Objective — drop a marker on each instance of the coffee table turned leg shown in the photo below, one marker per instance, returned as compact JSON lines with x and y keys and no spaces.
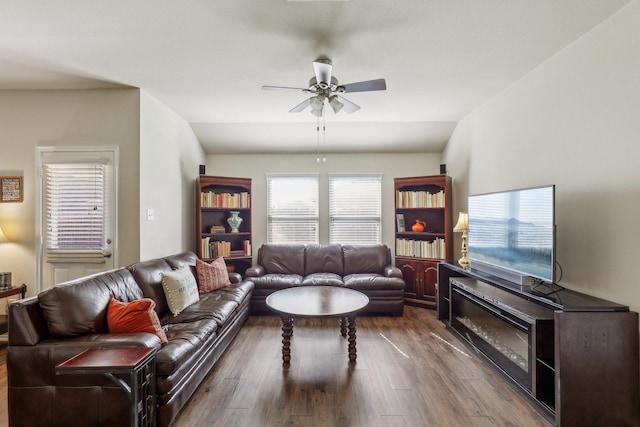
{"x":343,"y":326}
{"x":287,"y":331}
{"x":352,"y":339}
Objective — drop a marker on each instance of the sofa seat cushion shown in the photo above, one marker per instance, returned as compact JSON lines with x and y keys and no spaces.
{"x":237,"y":292}
{"x":372,"y":281}
{"x":185,"y":339}
{"x":277,"y":281}
{"x":210,"y":306}
{"x":322,"y":279}
{"x":80,"y":306}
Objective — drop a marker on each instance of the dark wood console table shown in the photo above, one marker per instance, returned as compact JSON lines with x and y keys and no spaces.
{"x":578,"y":357}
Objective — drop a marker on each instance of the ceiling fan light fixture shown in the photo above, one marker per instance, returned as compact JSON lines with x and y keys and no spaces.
{"x":325,"y":86}
{"x":335,"y":104}
{"x":317,"y":102}
{"x":317,"y":105}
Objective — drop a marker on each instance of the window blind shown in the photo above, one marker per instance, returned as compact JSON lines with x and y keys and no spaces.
{"x":74,"y":207}
{"x":292,"y":209}
{"x":355,"y":209}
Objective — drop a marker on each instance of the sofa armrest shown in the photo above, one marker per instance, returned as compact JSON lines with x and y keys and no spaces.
{"x":235,"y":277}
{"x":392,"y":271}
{"x":256,"y":270}
{"x":27,"y":325}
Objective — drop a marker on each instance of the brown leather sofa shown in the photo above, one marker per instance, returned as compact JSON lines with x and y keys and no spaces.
{"x":196,"y":339}
{"x":366,"y":268}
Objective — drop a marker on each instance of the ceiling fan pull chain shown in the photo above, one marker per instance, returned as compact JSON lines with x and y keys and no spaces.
{"x":318,"y":139}
{"x":324,"y":138}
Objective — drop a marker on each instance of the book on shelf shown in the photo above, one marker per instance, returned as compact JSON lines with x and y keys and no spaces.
{"x":246,"y":246}
{"x":204,"y":247}
{"x":217,"y":229}
{"x":420,"y":199}
{"x":400,"y":222}
{"x":215,"y":249}
{"x":236,"y":253}
{"x":209,"y":199}
{"x":434,"y":249}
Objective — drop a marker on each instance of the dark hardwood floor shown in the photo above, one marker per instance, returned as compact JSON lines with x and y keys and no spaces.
{"x":410,"y":372}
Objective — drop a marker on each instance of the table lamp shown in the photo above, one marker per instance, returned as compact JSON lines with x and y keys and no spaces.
{"x":461,"y":227}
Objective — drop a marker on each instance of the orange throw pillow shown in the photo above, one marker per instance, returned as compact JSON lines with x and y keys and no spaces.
{"x":135,"y":316}
{"x":212,"y":276}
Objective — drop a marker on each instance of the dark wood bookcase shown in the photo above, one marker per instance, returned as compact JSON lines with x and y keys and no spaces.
{"x":426,"y":199}
{"x":216,"y":198}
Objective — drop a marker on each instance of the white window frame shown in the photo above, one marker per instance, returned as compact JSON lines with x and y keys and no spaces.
{"x":288,"y":221}
{"x":90,"y":260}
{"x":355,"y":208}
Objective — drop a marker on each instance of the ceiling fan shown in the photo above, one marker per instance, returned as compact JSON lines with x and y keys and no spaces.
{"x":325,"y":87}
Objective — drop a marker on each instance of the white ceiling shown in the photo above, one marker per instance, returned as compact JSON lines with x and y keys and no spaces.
{"x":207,"y":60}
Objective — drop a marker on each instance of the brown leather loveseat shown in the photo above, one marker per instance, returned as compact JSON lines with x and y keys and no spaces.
{"x":76,"y":312}
{"x":366,"y":268}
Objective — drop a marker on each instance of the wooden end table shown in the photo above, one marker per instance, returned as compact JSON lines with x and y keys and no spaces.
{"x":133,"y":369}
{"x":6,"y":292}
{"x":317,"y":301}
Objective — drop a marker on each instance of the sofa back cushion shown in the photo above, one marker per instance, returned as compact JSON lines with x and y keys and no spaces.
{"x":148,"y":274}
{"x":323,"y":259}
{"x":80,"y":306}
{"x":282,"y":259}
{"x":360,"y":259}
{"x":178,"y":260}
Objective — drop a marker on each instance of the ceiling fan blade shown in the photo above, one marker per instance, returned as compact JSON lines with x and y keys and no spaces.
{"x":304,"y":104}
{"x":284,"y":88}
{"x":323,"y":73}
{"x":348,"y":107}
{"x":366,"y":86}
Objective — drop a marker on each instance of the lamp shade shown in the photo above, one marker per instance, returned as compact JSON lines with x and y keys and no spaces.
{"x":463,"y":222}
{"x":3,"y":238}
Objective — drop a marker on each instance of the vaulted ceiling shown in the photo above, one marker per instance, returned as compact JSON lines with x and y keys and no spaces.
{"x":207,"y":59}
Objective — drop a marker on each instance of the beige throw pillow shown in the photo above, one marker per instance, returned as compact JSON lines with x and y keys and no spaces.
{"x":180,"y":289}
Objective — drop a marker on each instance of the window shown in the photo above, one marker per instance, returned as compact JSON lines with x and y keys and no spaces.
{"x":74,"y":206}
{"x":292,"y":209}
{"x":355,"y":209}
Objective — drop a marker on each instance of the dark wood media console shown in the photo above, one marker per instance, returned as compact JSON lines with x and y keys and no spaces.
{"x":573,"y":354}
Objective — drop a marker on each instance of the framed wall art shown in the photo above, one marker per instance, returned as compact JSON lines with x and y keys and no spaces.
{"x":10,"y":189}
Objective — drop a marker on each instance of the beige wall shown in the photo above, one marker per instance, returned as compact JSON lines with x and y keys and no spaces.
{"x":170,"y":156}
{"x":29,"y":119}
{"x":257,"y":166}
{"x":573,"y":122}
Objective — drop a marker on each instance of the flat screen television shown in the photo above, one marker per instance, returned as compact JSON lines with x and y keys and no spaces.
{"x":512,"y":233}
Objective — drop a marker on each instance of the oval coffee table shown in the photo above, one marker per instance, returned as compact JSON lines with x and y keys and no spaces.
{"x":317,"y":301}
